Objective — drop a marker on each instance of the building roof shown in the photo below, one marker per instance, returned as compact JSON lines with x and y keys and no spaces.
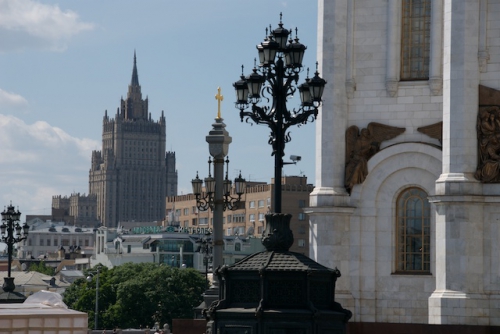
{"x":33,"y":278}
{"x":278,"y":261}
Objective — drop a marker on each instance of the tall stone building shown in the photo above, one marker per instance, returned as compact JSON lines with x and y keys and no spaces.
{"x":130,"y":176}
{"x":408,"y":156}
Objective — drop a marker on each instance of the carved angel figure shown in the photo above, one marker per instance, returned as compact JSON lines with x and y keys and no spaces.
{"x":361,"y":146}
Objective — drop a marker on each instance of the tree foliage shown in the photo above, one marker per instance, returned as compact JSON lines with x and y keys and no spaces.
{"x":41,"y":267}
{"x":134,"y":295}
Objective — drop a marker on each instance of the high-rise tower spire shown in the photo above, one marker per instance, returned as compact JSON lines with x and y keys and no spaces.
{"x":135,"y":76}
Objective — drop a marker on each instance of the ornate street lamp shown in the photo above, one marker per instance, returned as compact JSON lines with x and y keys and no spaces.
{"x":89,"y":279}
{"x":11,"y":233}
{"x":206,"y":199}
{"x":275,"y":79}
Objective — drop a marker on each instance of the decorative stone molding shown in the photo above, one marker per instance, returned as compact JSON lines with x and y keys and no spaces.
{"x":350,"y":87}
{"x":436,"y":85}
{"x":392,"y":87}
{"x":483,"y":57}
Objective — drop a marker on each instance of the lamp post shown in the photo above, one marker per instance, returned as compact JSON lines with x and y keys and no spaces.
{"x":89,"y":279}
{"x":276,"y":80}
{"x":217,"y":195}
{"x":205,"y":248}
{"x":11,"y":233}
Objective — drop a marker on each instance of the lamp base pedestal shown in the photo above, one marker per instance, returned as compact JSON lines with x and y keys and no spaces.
{"x":8,"y":284}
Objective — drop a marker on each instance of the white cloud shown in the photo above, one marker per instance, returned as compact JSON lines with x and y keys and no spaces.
{"x":38,"y":161}
{"x":30,"y":24}
{"x":12,"y":101}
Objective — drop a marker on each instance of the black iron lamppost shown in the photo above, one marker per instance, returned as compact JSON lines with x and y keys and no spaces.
{"x":205,"y":247}
{"x":89,"y":279}
{"x":276,"y":80}
{"x":11,"y":233}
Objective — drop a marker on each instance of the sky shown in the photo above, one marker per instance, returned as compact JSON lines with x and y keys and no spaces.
{"x":63,"y":63}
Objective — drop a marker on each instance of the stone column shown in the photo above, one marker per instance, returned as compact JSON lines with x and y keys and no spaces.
{"x":459,"y":212}
{"x":332,"y":118}
{"x":329,"y":213}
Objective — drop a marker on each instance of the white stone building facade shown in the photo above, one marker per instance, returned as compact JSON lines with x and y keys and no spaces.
{"x":379,"y":68}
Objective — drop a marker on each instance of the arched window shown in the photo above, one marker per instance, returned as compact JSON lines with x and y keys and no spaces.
{"x":413,"y":232}
{"x":415,"y":39}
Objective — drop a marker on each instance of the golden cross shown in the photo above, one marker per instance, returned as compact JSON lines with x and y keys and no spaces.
{"x":219,"y":99}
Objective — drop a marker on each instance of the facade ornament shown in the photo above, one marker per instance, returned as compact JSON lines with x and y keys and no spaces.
{"x":434,"y":131}
{"x":436,"y":85}
{"x":483,"y":57}
{"x":488,"y":135}
{"x":361,"y":146}
{"x":350,"y":88}
{"x":392,"y":86}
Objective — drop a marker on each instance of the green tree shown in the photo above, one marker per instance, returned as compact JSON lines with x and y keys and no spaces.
{"x":133,"y":295}
{"x":41,"y":267}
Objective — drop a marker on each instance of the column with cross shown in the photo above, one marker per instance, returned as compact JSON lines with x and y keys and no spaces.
{"x":218,"y":141}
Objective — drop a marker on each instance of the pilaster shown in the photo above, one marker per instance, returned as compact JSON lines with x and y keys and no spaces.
{"x":458,"y":200}
{"x":436,"y":52}
{"x":332,"y":118}
{"x":393,"y":61}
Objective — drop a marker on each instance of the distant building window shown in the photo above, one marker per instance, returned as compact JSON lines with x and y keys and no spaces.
{"x":261,"y":203}
{"x":302,"y":229}
{"x":193,"y":221}
{"x":261,"y":217}
{"x":186,"y":223}
{"x":237,"y":247}
{"x":129,"y":248}
{"x":204,"y":221}
{"x":301,"y":242}
{"x":252,"y":217}
{"x":41,"y":242}
{"x":55,"y":242}
{"x":194,"y":209}
{"x":413,"y":232}
{"x":239,"y":218}
{"x":48,"y":242}
{"x":302,"y":203}
{"x":302,"y":216}
{"x":260,"y":229}
{"x":415,"y":39}
{"x":229,"y":231}
{"x":269,"y":201}
{"x":186,"y":211}
{"x":251,"y":204}
{"x":228,"y":218}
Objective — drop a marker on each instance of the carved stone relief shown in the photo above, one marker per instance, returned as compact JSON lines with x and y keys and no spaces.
{"x":488,"y":136}
{"x":361,"y":146}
